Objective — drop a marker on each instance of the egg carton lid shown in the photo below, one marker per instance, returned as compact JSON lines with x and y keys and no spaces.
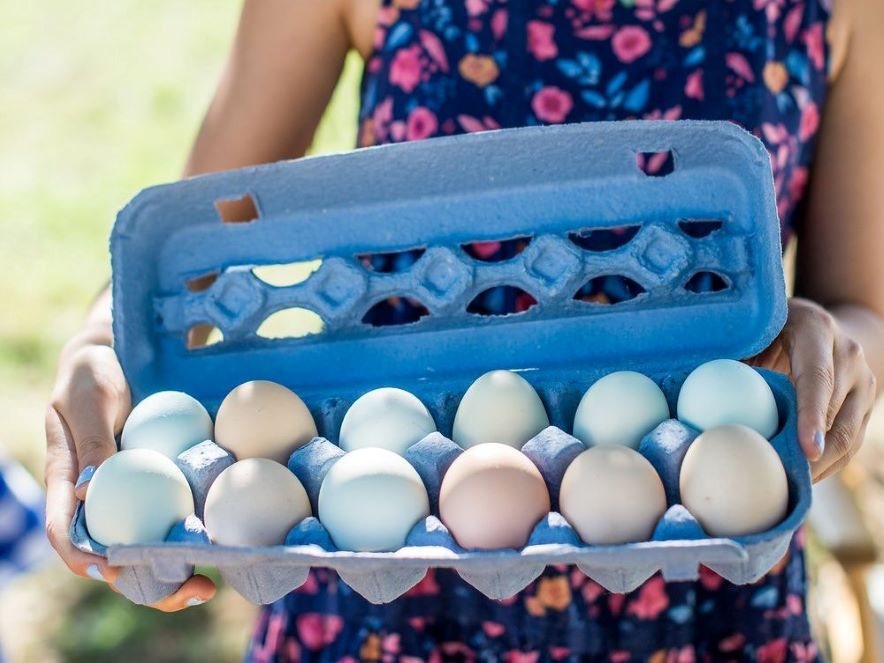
{"x":177,"y":264}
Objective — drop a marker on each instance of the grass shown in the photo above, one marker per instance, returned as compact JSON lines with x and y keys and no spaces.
{"x":99,"y":99}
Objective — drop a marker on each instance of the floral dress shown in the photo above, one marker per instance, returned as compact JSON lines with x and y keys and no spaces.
{"x":443,"y":67}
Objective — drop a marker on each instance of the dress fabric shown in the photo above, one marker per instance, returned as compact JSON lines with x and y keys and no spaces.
{"x":443,"y":67}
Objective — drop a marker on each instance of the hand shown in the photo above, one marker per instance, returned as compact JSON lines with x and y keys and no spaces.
{"x":90,"y":402}
{"x":836,"y":388}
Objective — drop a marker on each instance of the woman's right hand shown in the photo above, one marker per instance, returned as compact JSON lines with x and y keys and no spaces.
{"x":90,"y":403}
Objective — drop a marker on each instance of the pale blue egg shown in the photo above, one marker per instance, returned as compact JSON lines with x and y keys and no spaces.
{"x":168,"y":422}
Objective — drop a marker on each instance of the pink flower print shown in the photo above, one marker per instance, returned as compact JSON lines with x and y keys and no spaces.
{"x":417,"y":623}
{"x":405,"y":70}
{"x":810,"y":121}
{"x":498,"y":23}
{"x":683,"y":655}
{"x":595,"y":32}
{"x":559,"y":653}
{"x":804,"y":653}
{"x":592,"y":590}
{"x":316,"y":630}
{"x":792,"y":22}
{"x":737,"y":63}
{"x":601,"y":10}
{"x":515,"y":656}
{"x":620,"y":657}
{"x":710,"y":579}
{"x":391,"y":643}
{"x":693,"y":86}
{"x":813,"y":38}
{"x":398,"y":131}
{"x":651,"y":601}
{"x":410,"y":659}
{"x":772,"y":8}
{"x":426,"y":587}
{"x":615,"y":603}
{"x":797,"y":184}
{"x":630,"y":43}
{"x":493,"y":629}
{"x":540,"y":41}
{"x":773,"y":652}
{"x":477,"y":7}
{"x":732,"y":643}
{"x":552,"y":104}
{"x":434,"y":49}
{"x":382,"y":117}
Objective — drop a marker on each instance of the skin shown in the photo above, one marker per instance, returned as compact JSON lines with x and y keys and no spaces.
{"x":282,"y":69}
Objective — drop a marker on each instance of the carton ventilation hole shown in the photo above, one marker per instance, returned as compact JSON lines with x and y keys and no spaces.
{"x":501,"y":300}
{"x":292,"y":322}
{"x":395,"y":311}
{"x":391,"y":263}
{"x":603,"y":239}
{"x":203,"y":335}
{"x":706,"y":282}
{"x":655,"y":164}
{"x":497,"y":250}
{"x":699,"y":228}
{"x":282,"y":275}
{"x":202,"y":282}
{"x":609,"y":289}
{"x":237,"y":210}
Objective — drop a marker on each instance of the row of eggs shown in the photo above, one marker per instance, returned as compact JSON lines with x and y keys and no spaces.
{"x":492,"y":495}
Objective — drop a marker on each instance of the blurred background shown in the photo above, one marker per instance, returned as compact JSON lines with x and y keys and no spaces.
{"x":100,"y":99}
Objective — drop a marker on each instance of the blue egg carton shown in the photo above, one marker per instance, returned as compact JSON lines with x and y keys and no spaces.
{"x":178,"y":265}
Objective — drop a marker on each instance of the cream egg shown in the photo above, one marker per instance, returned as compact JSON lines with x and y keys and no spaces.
{"x":168,"y":422}
{"x":612,"y":495}
{"x":254,"y":502}
{"x":492,"y":496}
{"x":262,"y":419}
{"x":620,"y":408}
{"x":733,"y":482}
{"x":388,"y":418}
{"x":501,"y":406}
{"x":370,"y":499}
{"x":725,"y":391}
{"x":136,"y":496}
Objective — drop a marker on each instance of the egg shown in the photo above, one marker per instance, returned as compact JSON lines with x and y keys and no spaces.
{"x":370,"y":499}
{"x":725,"y":391}
{"x":501,"y":406}
{"x":136,"y":496}
{"x":620,"y":408}
{"x":492,"y":496}
{"x":262,"y":419}
{"x":254,"y":502}
{"x":612,"y":495}
{"x":388,"y":418}
{"x":168,"y":422}
{"x":734,"y":482}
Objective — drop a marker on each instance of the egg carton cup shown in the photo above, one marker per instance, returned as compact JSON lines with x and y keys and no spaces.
{"x":181,"y":263}
{"x":263,"y":574}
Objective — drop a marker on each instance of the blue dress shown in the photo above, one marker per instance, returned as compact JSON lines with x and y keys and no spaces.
{"x":443,"y":67}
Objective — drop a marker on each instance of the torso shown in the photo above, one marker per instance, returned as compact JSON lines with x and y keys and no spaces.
{"x":441,"y":67}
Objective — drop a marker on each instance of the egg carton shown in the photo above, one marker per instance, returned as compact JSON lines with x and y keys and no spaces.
{"x":182,"y":263}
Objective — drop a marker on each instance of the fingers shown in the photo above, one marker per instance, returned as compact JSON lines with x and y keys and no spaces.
{"x":813,"y":372}
{"x":195,"y":591}
{"x":61,"y":503}
{"x":845,"y":437}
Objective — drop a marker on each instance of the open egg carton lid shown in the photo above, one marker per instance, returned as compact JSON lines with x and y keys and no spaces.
{"x":179,"y":266}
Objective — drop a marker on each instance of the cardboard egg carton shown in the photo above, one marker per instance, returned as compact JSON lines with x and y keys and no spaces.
{"x":181,"y":263}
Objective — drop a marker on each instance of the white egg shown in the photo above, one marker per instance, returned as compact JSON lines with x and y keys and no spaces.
{"x":168,"y":422}
{"x":136,"y":496}
{"x":620,"y":408}
{"x":254,"y":502}
{"x":388,"y":418}
{"x":734,"y":482}
{"x":370,"y":499}
{"x":501,"y":406}
{"x":725,"y":391}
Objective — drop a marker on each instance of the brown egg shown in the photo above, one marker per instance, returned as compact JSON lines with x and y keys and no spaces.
{"x":734,"y":482}
{"x":612,"y":495}
{"x":262,"y":419}
{"x":492,"y":496}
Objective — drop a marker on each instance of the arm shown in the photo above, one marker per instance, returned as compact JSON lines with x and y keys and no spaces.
{"x":282,"y":69}
{"x":835,"y":334}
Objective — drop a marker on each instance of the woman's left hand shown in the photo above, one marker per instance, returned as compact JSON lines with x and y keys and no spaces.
{"x":835,"y":386}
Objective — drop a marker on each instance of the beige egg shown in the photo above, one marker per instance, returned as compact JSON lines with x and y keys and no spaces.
{"x":733,"y":482}
{"x":262,"y":419}
{"x":254,"y":502}
{"x":612,"y":495}
{"x":492,"y":496}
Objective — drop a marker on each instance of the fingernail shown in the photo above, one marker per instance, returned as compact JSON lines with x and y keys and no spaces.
{"x":819,"y":439}
{"x":94,"y":572}
{"x":85,"y":476}
{"x":194,"y":601}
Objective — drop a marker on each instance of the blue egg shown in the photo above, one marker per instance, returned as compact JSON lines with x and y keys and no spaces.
{"x":168,"y":422}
